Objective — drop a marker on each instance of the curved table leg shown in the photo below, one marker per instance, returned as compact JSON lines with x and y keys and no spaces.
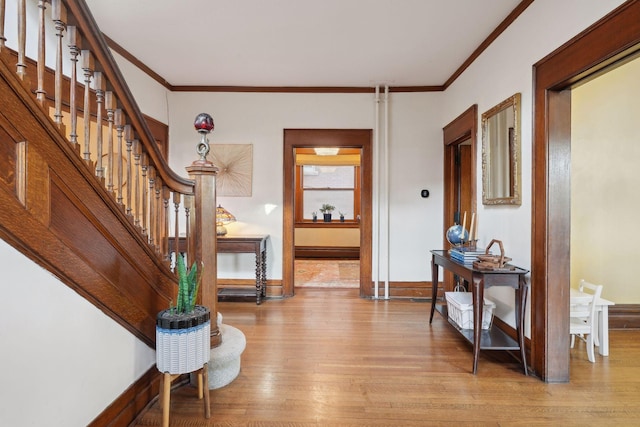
{"x":478,"y":303}
{"x":521,"y":304}
{"x":434,"y":287}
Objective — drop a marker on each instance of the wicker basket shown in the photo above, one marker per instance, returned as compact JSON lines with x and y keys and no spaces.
{"x":460,"y":309}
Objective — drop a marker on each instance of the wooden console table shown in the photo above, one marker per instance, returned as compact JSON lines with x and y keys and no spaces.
{"x":493,"y":338}
{"x":255,"y":244}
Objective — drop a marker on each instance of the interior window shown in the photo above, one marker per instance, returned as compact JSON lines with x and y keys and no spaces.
{"x":328,"y":179}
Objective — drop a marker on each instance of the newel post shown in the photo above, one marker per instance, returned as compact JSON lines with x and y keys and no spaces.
{"x":203,"y":223}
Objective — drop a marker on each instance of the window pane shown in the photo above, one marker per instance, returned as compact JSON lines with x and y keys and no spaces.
{"x":342,"y":200}
{"x":315,"y":176}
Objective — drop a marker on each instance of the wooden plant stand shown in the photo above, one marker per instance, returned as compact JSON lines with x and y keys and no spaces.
{"x":165,"y":392}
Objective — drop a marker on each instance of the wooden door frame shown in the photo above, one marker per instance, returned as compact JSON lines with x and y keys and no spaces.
{"x":303,"y":138}
{"x":462,"y":128}
{"x":612,"y":38}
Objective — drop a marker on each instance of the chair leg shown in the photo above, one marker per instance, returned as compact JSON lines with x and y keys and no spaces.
{"x":590,"y":349}
{"x":573,"y":340}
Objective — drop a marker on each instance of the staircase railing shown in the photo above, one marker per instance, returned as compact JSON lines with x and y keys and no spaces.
{"x":138,"y":203}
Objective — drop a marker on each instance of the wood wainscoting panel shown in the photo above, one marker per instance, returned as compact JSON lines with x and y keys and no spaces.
{"x":8,"y":158}
{"x":69,"y":224}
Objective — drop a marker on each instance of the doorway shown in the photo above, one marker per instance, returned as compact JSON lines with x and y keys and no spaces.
{"x":299,"y":140}
{"x":586,"y":55}
{"x":460,"y":142}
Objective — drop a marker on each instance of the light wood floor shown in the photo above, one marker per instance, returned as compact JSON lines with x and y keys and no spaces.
{"x":313,"y":273}
{"x":328,"y":358}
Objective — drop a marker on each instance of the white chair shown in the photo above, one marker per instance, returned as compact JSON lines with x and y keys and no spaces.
{"x":583,"y":320}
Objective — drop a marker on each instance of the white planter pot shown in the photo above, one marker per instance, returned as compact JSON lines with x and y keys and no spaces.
{"x":183,"y":341}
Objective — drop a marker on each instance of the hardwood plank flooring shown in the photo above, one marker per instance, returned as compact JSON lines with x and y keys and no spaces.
{"x":313,"y":273}
{"x":329,"y":358}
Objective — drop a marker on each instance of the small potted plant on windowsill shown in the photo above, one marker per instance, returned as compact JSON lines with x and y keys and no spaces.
{"x":326,"y":210}
{"x":183,"y":331}
{"x":341,"y":216}
{"x":314,"y":216}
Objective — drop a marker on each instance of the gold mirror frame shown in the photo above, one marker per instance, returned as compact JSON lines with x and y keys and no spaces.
{"x":501,"y":177}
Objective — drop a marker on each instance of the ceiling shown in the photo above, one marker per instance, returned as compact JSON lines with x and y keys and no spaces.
{"x":301,"y":43}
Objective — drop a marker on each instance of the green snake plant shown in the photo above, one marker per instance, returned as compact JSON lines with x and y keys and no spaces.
{"x":188,"y":285}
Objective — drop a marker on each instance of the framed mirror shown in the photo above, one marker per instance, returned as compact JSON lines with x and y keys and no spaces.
{"x":501,"y":178}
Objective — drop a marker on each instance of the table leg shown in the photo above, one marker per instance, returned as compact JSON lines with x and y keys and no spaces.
{"x":258,"y":279}
{"x":478,"y":302}
{"x":521,"y":303}
{"x":263,"y":274}
{"x":434,"y":287}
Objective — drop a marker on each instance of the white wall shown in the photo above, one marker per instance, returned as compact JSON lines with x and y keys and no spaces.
{"x":150,"y":95}
{"x":64,"y":361}
{"x":71,"y":380}
{"x":415,"y":160}
{"x":260,"y":119}
{"x":503,"y":69}
{"x":605,"y":148}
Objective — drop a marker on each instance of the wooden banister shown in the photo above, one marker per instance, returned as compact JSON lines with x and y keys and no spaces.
{"x":90,"y":145}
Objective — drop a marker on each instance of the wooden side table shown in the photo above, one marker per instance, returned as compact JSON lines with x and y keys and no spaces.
{"x":494,"y":338}
{"x":255,"y":244}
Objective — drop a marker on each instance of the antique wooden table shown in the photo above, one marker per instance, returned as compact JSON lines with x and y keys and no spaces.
{"x":255,"y":244}
{"x":493,"y":338}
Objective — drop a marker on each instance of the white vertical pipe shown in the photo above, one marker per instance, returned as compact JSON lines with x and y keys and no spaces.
{"x":386,"y":186}
{"x":376,"y":193}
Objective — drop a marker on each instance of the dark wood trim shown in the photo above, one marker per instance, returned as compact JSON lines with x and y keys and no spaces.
{"x":515,"y":13}
{"x":333,"y":224}
{"x":303,"y":89}
{"x":624,"y":316}
{"x":521,"y":7}
{"x":613,"y":37}
{"x":327,"y":252}
{"x":460,"y":129}
{"x":135,"y":61}
{"x":354,"y":138}
{"x":419,"y":291}
{"x":131,"y":403}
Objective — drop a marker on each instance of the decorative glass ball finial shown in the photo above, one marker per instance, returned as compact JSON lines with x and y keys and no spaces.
{"x":204,"y":125}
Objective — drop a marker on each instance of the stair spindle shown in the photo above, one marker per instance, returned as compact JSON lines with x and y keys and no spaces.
{"x":74,"y":51}
{"x":129,"y":141}
{"x":87,"y":68}
{"x":21,"y":65}
{"x":109,"y":105}
{"x":119,"y":122}
{"x":3,"y":39}
{"x":59,"y":16}
{"x":41,"y":94}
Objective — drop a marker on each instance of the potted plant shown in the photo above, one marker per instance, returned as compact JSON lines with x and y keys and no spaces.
{"x":183,"y":331}
{"x":326,"y":210}
{"x":341,"y":216}
{"x":314,"y":216}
